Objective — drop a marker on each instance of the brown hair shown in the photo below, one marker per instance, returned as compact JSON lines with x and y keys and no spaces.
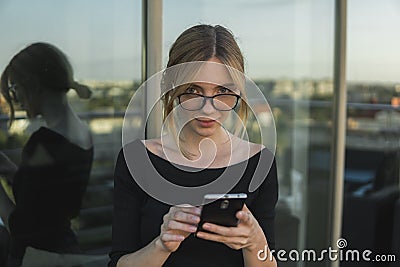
{"x":201,"y":43}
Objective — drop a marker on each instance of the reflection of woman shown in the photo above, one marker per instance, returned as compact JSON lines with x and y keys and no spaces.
{"x":147,"y":232}
{"x":51,"y":178}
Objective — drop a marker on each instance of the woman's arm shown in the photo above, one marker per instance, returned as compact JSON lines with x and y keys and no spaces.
{"x":258,"y":252}
{"x":151,"y":255}
{"x":177,"y":224}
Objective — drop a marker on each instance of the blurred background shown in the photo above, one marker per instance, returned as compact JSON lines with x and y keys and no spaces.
{"x":289,"y":49}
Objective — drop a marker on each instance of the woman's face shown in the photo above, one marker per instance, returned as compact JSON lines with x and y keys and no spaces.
{"x":203,"y":114}
{"x":20,"y":96}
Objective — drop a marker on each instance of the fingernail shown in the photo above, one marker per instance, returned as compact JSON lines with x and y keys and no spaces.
{"x":192,"y":229}
{"x":206,"y":226}
{"x":196,"y":219}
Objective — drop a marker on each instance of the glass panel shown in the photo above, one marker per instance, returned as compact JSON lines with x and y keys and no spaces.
{"x":373,"y":128}
{"x":288,"y":49}
{"x":102,"y":40}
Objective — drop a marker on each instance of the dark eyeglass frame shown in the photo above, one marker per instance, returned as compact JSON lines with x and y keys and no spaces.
{"x":13,"y":92}
{"x":208,"y":97}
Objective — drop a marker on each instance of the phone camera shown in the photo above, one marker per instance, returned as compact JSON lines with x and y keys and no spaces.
{"x":225,"y":204}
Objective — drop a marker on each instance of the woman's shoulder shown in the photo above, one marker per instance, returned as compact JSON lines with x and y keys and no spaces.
{"x":154,"y":146}
{"x":161,"y":147}
{"x":79,"y":136}
{"x":139,"y":148}
{"x":244,"y":149}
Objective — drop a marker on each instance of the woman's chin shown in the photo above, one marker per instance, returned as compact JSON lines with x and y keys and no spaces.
{"x":206,"y":132}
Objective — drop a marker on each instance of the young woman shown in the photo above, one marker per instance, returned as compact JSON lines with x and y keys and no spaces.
{"x":52,"y":176}
{"x":148,"y":232}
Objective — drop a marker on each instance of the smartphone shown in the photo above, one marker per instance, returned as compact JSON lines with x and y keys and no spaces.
{"x":222,"y":209}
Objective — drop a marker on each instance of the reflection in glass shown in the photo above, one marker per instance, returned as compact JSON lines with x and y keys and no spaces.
{"x":49,"y":182}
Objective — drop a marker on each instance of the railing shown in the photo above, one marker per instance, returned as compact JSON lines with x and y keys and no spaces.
{"x":83,"y":115}
{"x":274,"y":103}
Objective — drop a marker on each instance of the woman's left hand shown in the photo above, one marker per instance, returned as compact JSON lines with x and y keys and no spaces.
{"x":247,"y":235}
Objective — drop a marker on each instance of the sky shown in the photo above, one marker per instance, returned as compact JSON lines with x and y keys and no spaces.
{"x":279,"y":38}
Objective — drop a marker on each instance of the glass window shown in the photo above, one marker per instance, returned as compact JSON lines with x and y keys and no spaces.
{"x":102,"y":40}
{"x":371,"y":174}
{"x":288,"y":49}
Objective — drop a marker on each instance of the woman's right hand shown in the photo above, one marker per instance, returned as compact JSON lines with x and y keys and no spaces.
{"x":178,"y":224}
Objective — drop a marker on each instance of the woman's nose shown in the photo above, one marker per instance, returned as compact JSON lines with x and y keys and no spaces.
{"x":208,"y":106}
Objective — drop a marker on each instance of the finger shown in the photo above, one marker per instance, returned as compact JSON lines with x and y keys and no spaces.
{"x":186,"y":208}
{"x":232,"y":240}
{"x":174,"y":225}
{"x":244,"y":216}
{"x":167,"y":237}
{"x":185,"y":217}
{"x":222,"y":230}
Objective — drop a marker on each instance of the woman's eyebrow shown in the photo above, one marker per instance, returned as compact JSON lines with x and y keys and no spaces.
{"x":196,"y":86}
{"x":230,"y":86}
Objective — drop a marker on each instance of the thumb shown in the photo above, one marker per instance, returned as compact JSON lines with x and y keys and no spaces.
{"x":245,"y":208}
{"x":244,"y":215}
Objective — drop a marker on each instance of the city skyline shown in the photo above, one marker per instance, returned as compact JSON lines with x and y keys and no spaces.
{"x":294,"y":41}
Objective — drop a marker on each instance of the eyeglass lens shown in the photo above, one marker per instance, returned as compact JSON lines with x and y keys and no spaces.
{"x":222,"y":102}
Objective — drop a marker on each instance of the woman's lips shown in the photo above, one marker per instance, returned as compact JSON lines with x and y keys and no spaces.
{"x":206,"y":122}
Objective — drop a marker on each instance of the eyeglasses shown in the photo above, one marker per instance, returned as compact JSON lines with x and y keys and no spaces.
{"x":13,"y":92}
{"x":221,"y":102}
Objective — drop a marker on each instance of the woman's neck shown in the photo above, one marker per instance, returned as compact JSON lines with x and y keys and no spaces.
{"x":57,"y":113}
{"x":195,"y":146}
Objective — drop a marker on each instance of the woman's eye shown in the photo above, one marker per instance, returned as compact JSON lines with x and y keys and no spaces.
{"x":224,"y":90}
{"x":191,"y":90}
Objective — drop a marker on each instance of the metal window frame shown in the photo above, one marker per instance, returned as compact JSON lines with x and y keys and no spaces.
{"x":152,"y":60}
{"x":339,"y":125}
